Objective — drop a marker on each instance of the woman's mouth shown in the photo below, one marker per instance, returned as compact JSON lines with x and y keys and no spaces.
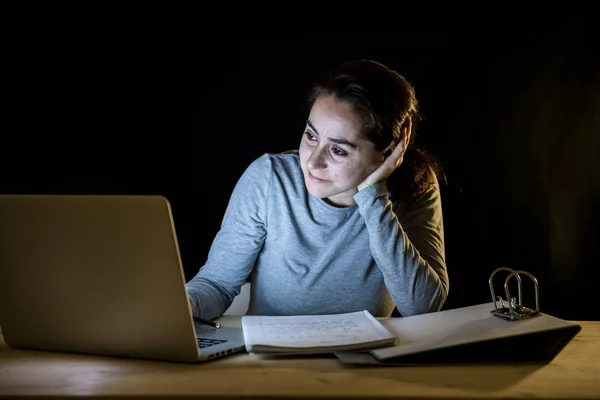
{"x":315,"y":179}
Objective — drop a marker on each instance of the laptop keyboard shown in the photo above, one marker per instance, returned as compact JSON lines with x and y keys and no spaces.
{"x":206,"y":342}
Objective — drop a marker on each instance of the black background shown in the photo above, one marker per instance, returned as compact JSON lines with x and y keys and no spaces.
{"x":511,"y":112}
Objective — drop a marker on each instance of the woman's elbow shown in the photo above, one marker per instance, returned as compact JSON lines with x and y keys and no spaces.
{"x":440,"y":298}
{"x":436,"y":301}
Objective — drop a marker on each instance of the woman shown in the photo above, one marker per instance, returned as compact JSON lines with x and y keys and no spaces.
{"x":351,"y":221}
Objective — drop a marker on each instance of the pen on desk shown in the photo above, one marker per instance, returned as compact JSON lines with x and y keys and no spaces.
{"x":206,"y":322}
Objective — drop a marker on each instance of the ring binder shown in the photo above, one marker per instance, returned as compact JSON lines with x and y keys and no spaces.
{"x":509,"y":309}
{"x":481,"y":333}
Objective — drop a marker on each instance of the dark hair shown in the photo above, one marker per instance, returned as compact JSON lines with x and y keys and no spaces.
{"x":385,"y":102}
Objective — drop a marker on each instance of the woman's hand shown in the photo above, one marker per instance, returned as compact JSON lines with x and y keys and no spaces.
{"x":388,"y":166}
{"x":390,"y":163}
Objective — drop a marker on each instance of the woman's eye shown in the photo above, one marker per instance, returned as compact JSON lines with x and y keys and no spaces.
{"x":338,"y":152}
{"x":310,"y":136}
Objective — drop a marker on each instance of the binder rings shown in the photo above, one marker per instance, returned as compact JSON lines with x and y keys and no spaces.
{"x":503,"y":330}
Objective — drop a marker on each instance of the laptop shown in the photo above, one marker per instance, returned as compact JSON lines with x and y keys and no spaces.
{"x":100,"y":275}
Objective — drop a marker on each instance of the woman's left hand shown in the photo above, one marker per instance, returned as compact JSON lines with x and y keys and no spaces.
{"x":388,"y":166}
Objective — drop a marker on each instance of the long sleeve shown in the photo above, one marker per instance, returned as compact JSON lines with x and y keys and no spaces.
{"x":235,"y":247}
{"x":409,"y":252}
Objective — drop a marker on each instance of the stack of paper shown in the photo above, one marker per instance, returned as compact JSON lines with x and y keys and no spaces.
{"x":314,"y":334}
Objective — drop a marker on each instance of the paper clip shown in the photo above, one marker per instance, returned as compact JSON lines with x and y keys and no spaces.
{"x":509,"y":309}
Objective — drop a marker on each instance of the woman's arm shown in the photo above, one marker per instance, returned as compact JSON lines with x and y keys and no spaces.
{"x":410,"y":252}
{"x":236,"y":245}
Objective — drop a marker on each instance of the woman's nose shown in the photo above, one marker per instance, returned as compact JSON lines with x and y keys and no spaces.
{"x":316,"y":160}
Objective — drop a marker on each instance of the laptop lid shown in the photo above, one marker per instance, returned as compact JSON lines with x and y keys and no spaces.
{"x":94,"y":274}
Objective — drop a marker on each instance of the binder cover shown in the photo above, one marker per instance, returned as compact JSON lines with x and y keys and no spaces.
{"x":483,"y":333}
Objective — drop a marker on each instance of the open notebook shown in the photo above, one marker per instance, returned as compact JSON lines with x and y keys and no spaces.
{"x":314,"y":334}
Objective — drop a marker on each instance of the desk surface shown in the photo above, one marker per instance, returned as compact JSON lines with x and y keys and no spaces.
{"x":573,"y":374}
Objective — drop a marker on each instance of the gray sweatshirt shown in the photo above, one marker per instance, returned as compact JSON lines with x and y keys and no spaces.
{"x":309,"y":257}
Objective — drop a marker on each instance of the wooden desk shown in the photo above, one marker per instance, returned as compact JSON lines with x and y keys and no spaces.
{"x":574,"y":374}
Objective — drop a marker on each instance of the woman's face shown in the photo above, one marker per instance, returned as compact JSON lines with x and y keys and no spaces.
{"x":334,"y":156}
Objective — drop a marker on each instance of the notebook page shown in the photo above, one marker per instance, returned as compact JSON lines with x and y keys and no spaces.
{"x":313,"y":330}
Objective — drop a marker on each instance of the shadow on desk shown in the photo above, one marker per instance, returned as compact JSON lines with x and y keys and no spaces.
{"x":478,"y":376}
{"x":472,"y":377}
